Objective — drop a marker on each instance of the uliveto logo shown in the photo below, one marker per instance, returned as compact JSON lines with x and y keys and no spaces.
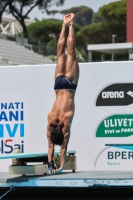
{"x":116,"y":95}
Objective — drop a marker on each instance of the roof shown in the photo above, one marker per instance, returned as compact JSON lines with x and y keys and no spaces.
{"x":116,"y":48}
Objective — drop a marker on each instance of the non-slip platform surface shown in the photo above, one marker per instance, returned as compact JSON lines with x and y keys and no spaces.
{"x":69,"y":179}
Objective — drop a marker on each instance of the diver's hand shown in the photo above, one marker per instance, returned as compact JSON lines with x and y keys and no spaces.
{"x":52,"y":169}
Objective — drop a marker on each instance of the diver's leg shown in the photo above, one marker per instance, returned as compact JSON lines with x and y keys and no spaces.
{"x":72,"y":67}
{"x":61,"y":56}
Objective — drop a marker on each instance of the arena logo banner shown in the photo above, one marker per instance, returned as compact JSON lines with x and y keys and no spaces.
{"x":116,"y":95}
{"x":116,"y":155}
{"x":13,"y":122}
{"x":116,"y":126}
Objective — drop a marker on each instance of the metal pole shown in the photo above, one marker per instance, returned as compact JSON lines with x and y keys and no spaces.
{"x":113,"y":41}
{"x":130,"y":55}
{"x":39,"y":47}
{"x":102,"y":57}
{"x":90,"y":56}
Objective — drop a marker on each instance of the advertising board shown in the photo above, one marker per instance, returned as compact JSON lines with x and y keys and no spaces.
{"x":102,"y":128}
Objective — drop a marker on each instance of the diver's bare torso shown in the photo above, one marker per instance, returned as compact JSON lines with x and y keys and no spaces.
{"x":63,"y":109}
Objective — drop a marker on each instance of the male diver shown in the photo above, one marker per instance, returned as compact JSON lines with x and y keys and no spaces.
{"x":66,"y":80}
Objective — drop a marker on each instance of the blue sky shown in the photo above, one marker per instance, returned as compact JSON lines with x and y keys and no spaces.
{"x":94,"y":4}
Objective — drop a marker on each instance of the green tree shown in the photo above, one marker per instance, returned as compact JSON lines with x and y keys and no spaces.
{"x":96,"y":33}
{"x":52,"y":12}
{"x":20,"y":9}
{"x":51,"y":46}
{"x":96,"y":17}
{"x":81,"y":44}
{"x":47,"y":32}
{"x":83,"y":15}
{"x":114,"y":14}
{"x":113,"y":23}
{"x":3,"y":6}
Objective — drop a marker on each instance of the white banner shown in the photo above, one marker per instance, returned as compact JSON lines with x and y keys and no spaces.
{"x":102,"y":128}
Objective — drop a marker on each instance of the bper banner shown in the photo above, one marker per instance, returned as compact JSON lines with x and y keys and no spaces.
{"x":102,"y":128}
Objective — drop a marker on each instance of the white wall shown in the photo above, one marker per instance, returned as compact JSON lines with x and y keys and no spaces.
{"x":34,"y":85}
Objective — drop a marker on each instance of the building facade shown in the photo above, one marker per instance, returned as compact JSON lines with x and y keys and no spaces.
{"x":129,"y":20}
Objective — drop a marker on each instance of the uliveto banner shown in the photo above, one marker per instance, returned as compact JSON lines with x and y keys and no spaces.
{"x":116,"y":126}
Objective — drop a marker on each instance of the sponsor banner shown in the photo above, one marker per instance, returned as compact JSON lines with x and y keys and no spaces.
{"x":116,"y":126}
{"x":14,"y":122}
{"x":116,"y":95}
{"x":115,"y":156}
{"x":102,"y":128}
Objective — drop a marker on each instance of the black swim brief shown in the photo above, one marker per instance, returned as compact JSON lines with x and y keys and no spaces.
{"x":63,"y":82}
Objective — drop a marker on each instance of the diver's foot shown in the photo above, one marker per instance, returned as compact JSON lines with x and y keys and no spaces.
{"x":68,"y":18}
{"x":60,"y":170}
